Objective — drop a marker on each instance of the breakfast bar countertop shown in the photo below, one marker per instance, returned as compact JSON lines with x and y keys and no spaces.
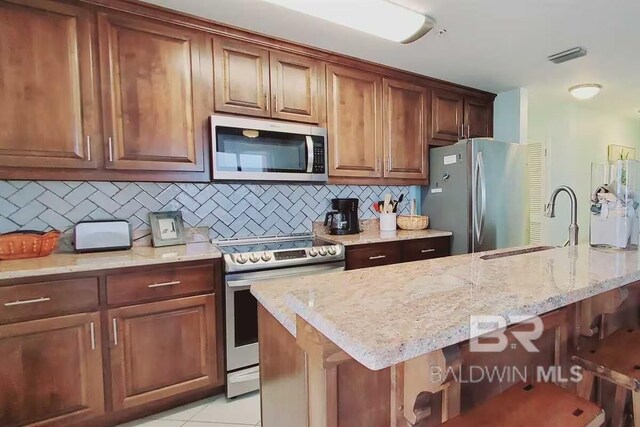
{"x":386,"y":315}
{"x":70,"y":262}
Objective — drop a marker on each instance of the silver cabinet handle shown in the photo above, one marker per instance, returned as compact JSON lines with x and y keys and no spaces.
{"x":92,"y":330}
{"x":425,"y":251}
{"x":115,"y":331}
{"x":378,"y":164}
{"x":110,"y":149}
{"x":160,"y":285}
{"x":389,"y":163}
{"x":88,"y":148}
{"x":462,"y":130}
{"x":468,"y":131}
{"x":27,"y":301}
{"x":275,"y":103}
{"x":377,"y":257}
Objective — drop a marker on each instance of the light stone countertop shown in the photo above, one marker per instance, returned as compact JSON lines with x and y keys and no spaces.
{"x":386,"y":315}
{"x":69,"y":262}
{"x":371,"y":234}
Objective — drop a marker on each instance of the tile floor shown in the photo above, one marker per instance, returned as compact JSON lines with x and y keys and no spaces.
{"x":217,"y":411}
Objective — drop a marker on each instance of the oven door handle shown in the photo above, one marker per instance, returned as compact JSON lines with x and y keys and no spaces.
{"x":243,"y":280}
{"x":309,"y":154}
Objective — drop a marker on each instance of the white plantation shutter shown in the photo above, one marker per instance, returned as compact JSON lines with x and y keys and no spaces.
{"x":536,"y":161}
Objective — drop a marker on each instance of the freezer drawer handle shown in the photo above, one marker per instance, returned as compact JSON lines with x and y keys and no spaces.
{"x":377,"y":257}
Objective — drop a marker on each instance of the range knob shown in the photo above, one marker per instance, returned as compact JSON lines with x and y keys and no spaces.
{"x":322,"y":251}
{"x":241,"y":259}
{"x":266,"y":256}
{"x":332,"y":250}
{"x":254,"y":258}
{"x":313,"y":252}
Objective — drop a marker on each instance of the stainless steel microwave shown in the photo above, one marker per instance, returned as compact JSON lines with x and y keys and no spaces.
{"x":266,"y":150}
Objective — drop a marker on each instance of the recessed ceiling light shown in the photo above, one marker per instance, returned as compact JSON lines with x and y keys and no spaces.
{"x":585,"y":91}
{"x":380,"y":18}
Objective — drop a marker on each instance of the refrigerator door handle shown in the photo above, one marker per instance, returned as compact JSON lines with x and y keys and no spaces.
{"x":480,"y":179}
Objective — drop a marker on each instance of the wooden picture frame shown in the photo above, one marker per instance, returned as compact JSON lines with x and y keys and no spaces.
{"x":167,"y":228}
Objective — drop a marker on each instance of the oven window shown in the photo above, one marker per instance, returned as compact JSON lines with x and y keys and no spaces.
{"x":245,"y":318}
{"x":247,"y":150}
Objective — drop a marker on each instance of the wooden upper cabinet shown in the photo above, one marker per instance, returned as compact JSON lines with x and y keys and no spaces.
{"x":447,"y":116}
{"x":151,"y":95}
{"x":354,"y":118}
{"x":405,"y":130}
{"x":296,"y":82}
{"x":47,"y":93}
{"x":241,"y":78}
{"x":149,"y":340}
{"x":478,"y":117}
{"x":51,"y":371}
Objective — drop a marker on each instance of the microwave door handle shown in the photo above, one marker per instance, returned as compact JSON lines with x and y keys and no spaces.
{"x":309,"y":154}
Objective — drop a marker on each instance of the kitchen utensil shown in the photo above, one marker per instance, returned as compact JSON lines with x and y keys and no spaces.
{"x":375,"y":206}
{"x":387,"y":203}
{"x":413,"y":222}
{"x":27,"y":244}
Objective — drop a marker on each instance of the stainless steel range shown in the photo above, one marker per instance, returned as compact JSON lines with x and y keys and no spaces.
{"x":247,"y":261}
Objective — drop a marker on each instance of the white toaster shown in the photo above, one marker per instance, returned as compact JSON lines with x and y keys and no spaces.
{"x":102,"y":235}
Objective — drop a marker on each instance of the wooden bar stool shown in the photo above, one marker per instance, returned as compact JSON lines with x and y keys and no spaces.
{"x":532,"y":405}
{"x":617,"y":360}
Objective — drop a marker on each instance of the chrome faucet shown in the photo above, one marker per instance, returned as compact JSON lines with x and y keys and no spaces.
{"x":550,"y":211}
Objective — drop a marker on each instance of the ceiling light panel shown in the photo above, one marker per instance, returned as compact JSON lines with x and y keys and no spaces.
{"x":376,"y":17}
{"x":586,"y":91}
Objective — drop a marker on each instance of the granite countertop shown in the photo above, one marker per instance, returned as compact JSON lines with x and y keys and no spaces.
{"x":386,"y":315}
{"x":371,"y":234}
{"x":69,"y":262}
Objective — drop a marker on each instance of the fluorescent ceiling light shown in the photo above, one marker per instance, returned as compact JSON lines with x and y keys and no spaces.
{"x":586,"y":91}
{"x":377,"y":17}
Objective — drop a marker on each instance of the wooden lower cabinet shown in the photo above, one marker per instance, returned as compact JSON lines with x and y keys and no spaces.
{"x":162,"y":349}
{"x":51,"y":371}
{"x":377,"y":254}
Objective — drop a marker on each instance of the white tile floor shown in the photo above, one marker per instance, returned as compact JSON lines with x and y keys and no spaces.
{"x":217,"y":411}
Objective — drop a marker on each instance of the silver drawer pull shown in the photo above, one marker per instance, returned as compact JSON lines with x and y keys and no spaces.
{"x":115,"y":331}
{"x":27,"y":301}
{"x":160,"y":285}
{"x":377,"y":257}
{"x":425,"y":251}
{"x":92,"y":332}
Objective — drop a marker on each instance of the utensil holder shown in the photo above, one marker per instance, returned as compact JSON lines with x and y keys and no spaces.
{"x":388,"y":221}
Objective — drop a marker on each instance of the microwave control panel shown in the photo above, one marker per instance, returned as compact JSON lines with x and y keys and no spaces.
{"x":318,"y":156}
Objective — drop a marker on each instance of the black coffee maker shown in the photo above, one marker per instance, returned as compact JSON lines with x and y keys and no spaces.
{"x":344,"y":217}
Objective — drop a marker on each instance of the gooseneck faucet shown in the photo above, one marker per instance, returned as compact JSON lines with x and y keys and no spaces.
{"x":550,"y":211}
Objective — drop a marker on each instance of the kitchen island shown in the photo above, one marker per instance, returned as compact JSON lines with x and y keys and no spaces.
{"x":390,"y":346}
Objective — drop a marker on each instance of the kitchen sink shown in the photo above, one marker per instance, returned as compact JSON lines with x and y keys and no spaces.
{"x":518,"y":252}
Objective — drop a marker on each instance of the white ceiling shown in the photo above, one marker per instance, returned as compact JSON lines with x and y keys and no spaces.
{"x":494,"y":45}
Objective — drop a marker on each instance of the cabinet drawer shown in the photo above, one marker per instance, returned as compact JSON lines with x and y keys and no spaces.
{"x":414,"y":250}
{"x":47,"y":299}
{"x":165,"y":282}
{"x":373,"y":255}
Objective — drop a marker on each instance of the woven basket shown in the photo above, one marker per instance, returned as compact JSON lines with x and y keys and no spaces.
{"x":413,"y":222}
{"x":27,"y":244}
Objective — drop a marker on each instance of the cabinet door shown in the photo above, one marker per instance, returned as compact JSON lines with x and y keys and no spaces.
{"x":446,"y":112}
{"x":354,"y":117}
{"x":162,"y":349}
{"x":241,"y":78}
{"x":405,"y":130}
{"x":295,"y":88}
{"x":51,"y":371}
{"x":47,"y":94}
{"x":478,"y":117}
{"x":151,"y":95}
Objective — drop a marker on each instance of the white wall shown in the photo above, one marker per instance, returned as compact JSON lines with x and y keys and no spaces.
{"x":575,"y":134}
{"x":510,"y":116}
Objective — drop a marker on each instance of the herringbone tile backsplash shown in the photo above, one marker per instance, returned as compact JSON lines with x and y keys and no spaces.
{"x":228,"y":210}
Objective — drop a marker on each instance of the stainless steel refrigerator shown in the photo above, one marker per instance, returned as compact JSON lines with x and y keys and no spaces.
{"x":478,"y":189}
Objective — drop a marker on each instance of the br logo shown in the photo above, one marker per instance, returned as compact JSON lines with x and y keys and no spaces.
{"x":491,"y":329}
